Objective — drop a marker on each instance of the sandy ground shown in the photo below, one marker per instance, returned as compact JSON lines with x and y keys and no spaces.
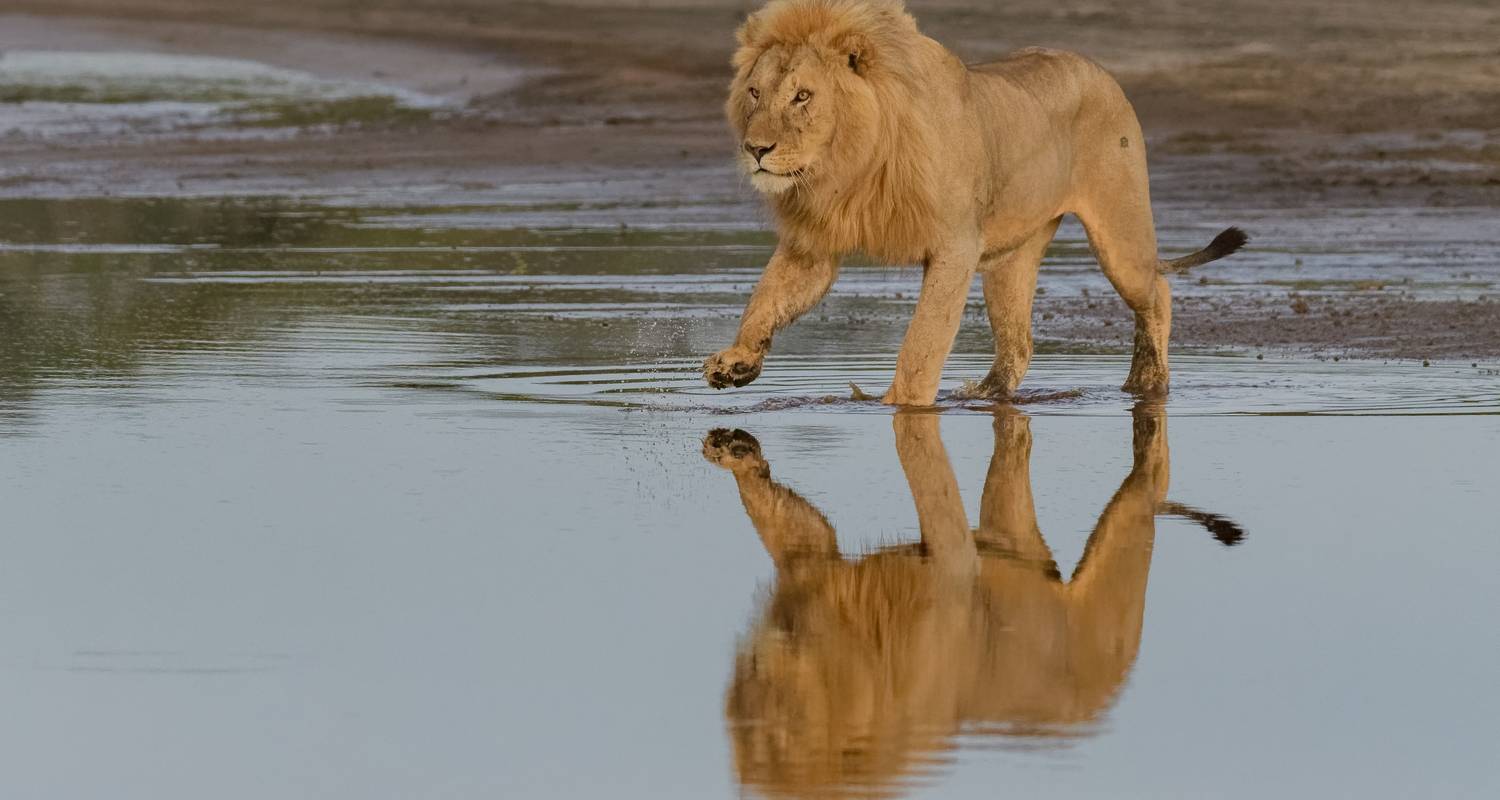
{"x":1296,"y":107}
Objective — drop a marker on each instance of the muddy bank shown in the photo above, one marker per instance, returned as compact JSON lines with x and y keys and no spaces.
{"x":1356,"y":103}
{"x":1301,"y":124}
{"x":1292,"y":324}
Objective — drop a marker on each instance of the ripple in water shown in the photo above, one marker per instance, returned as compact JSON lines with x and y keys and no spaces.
{"x":1056,"y":384}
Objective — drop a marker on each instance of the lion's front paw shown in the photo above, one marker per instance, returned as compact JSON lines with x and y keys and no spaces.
{"x":732,"y":449}
{"x":901,"y":396}
{"x":736,"y":366}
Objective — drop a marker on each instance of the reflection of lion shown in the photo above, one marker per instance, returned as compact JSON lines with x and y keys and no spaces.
{"x":868,"y":136}
{"x":861,"y":672}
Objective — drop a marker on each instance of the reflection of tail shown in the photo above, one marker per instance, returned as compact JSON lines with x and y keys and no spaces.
{"x":1226,"y":530}
{"x":1226,"y":243}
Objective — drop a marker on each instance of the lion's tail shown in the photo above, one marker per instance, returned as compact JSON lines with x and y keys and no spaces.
{"x":1227,"y":242}
{"x":1226,"y":530}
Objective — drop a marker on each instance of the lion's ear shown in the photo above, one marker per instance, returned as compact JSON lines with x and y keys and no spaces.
{"x":858,"y":49}
{"x":878,"y":36}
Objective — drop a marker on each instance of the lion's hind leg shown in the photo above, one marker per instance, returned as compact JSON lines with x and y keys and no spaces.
{"x":1007,"y":512}
{"x":1116,"y":213}
{"x":1009,"y":286}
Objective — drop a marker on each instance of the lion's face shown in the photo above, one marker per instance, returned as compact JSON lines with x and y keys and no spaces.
{"x":786,"y":109}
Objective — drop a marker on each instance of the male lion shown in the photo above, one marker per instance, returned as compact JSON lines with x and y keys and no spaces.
{"x":861,"y":672}
{"x":867,"y":136}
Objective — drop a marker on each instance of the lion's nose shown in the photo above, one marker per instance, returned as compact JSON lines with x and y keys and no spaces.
{"x":758,"y":150}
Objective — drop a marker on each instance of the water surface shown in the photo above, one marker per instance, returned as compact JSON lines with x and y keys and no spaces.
{"x":324,"y":499}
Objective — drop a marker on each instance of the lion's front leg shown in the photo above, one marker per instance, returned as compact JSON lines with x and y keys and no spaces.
{"x":940,"y":509}
{"x":945,"y":291}
{"x":790,"y":286}
{"x":789,"y":526}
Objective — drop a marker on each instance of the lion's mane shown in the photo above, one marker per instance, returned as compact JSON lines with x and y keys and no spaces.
{"x":875,"y":189}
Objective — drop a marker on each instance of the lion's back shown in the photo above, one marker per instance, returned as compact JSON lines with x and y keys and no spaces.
{"x":1063,"y":82}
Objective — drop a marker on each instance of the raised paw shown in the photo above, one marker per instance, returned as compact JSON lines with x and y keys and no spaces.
{"x":732,"y":449}
{"x":736,"y":366}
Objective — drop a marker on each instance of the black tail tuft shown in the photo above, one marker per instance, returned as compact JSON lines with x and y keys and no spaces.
{"x":1226,"y":530}
{"x":1228,"y":241}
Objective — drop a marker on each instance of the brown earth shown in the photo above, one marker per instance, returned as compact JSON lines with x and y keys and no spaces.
{"x":1291,"y":85}
{"x":1379,"y":104}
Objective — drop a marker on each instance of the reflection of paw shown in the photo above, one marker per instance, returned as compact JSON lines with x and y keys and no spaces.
{"x":1148,"y":429}
{"x":1012,"y":433}
{"x":732,"y":449}
{"x":736,"y":366}
{"x":1149,"y":443}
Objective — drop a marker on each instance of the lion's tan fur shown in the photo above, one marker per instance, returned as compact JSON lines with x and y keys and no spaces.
{"x":861,"y":670}
{"x":867,"y":136}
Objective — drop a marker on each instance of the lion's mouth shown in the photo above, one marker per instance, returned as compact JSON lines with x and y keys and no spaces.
{"x":770,"y":182}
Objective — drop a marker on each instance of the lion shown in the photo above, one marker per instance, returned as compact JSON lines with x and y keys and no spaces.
{"x":866,"y":136}
{"x":861,"y":673}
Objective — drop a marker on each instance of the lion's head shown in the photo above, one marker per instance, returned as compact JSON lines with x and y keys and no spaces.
{"x":812,"y":89}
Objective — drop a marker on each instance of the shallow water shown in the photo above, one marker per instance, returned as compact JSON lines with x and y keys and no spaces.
{"x":122,"y":97}
{"x":319,"y":499}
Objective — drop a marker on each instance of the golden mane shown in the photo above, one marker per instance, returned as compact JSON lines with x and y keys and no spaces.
{"x":876,"y":190}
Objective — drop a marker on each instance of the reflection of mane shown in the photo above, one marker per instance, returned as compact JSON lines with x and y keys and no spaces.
{"x":860,"y":672}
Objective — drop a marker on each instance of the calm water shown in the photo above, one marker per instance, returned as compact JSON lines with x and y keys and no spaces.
{"x":330,"y":501}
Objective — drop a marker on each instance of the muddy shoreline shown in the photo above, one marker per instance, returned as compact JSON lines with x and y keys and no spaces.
{"x":1276,"y":117}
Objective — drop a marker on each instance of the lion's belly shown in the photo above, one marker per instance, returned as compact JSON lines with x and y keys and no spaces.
{"x":1005,"y":232}
{"x":1027,"y":195}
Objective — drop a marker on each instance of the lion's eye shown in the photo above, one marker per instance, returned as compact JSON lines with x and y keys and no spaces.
{"x":802,"y":96}
{"x":754,"y":93}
